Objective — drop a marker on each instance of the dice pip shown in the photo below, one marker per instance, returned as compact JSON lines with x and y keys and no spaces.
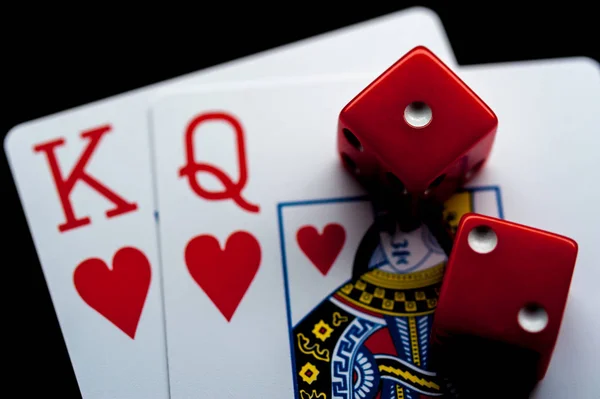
{"x":417,"y":129}
{"x":501,"y":305}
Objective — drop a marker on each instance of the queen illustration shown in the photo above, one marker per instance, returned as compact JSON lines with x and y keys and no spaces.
{"x":370,"y":338}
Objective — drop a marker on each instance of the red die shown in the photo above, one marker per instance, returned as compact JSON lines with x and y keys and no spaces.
{"x":505,"y":283}
{"x":419,"y":126}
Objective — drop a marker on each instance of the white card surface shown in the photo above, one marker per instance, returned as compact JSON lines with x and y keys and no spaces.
{"x":99,"y":193}
{"x":538,"y":174}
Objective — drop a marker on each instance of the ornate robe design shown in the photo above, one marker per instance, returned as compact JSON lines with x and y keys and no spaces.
{"x":370,"y":338}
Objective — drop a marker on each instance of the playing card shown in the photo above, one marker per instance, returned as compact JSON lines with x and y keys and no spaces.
{"x":255,"y":171}
{"x":542,"y":158}
{"x":84,"y":179}
{"x":388,"y":310}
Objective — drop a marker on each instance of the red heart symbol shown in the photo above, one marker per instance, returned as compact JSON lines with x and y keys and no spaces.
{"x":118,"y":294}
{"x":224,"y":274}
{"x":322,"y":249}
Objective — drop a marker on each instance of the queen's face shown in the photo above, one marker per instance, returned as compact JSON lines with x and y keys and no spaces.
{"x":408,"y":252}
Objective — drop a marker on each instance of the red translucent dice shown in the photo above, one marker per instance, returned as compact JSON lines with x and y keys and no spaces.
{"x":417,"y":126}
{"x":506,"y":284}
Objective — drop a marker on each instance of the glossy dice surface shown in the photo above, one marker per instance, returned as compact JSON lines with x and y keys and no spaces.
{"x":506,"y":283}
{"x":377,"y":137}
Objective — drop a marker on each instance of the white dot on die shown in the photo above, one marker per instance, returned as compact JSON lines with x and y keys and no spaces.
{"x":533,"y":318}
{"x":482,"y":239}
{"x":417,"y":114}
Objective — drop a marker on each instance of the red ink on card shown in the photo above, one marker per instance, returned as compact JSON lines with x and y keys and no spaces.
{"x":232,"y":190}
{"x":117,"y":293}
{"x":64,"y":186}
{"x":224,"y":274}
{"x":322,"y":249}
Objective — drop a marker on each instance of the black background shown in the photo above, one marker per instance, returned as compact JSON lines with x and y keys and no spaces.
{"x":53,"y":60}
